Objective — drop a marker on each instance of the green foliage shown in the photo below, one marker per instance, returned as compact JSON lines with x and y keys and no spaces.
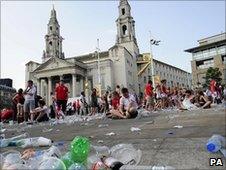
{"x":212,"y":74}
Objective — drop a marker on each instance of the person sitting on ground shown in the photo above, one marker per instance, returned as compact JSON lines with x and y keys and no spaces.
{"x":187,"y":104}
{"x":203,"y":100}
{"x":114,"y":111}
{"x":128,"y":104}
{"x":40,"y":113}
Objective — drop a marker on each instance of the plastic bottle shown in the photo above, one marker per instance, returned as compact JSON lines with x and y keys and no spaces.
{"x":53,"y":151}
{"x":99,"y":166}
{"x":10,"y":158}
{"x":18,"y":167}
{"x":140,"y":167}
{"x":101,"y":151}
{"x":126,"y":154}
{"x":77,"y":166}
{"x":215,"y":143}
{"x":52,"y":163}
{"x":112,"y":163}
{"x":9,"y":141}
{"x":33,"y":142}
{"x":92,"y":160}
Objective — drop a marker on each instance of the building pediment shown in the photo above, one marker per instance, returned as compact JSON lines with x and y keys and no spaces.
{"x":54,"y":63}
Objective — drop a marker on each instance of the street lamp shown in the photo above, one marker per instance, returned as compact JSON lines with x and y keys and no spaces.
{"x":152,"y":42}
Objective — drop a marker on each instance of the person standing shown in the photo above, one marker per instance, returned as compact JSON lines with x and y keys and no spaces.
{"x":118,"y":90}
{"x":18,"y":101}
{"x":149,"y":96}
{"x":94,"y":102}
{"x":29,"y":95}
{"x":83,"y":104}
{"x":213,"y":84}
{"x":61,"y":93}
{"x":78,"y":107}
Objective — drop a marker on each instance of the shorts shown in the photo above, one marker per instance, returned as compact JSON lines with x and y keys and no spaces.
{"x":62,"y":104}
{"x":149,"y":100}
{"x":29,"y":105}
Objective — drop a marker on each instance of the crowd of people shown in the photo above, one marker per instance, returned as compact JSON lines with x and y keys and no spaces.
{"x":120,"y":103}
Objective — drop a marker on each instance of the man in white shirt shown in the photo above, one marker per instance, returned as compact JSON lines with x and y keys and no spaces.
{"x":83,"y":104}
{"x":29,"y":95}
{"x":128,"y":104}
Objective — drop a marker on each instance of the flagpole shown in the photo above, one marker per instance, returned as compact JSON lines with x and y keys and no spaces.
{"x":98,"y":58}
{"x":152,"y":62}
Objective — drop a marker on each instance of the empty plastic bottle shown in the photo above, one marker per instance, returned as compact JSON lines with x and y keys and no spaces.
{"x":52,"y":163}
{"x":112,"y":163}
{"x":101,"y":151}
{"x":10,"y":158}
{"x":215,"y":143}
{"x":142,"y":167}
{"x":126,"y":154}
{"x":9,"y":141}
{"x":32,"y":142}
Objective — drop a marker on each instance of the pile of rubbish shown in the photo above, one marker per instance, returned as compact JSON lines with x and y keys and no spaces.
{"x":81,"y":155}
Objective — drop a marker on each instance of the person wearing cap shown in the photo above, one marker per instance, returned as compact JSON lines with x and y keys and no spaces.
{"x":61,"y":93}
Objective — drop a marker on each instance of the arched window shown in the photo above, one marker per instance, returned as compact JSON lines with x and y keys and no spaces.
{"x":50,"y":43}
{"x":124,"y":29}
{"x":50,"y":28}
{"x":123,"y":11}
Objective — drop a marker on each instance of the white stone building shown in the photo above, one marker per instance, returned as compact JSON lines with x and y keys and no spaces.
{"x":118,"y":65}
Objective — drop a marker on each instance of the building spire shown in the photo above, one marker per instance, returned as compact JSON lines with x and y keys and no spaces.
{"x":124,"y":2}
{"x":125,"y":24}
{"x":53,"y":12}
{"x":53,"y":39}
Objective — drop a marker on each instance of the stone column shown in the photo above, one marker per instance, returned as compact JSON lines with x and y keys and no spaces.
{"x":86,"y":90}
{"x":49,"y":90}
{"x":39,"y":86}
{"x":81,"y":84}
{"x":73,"y":85}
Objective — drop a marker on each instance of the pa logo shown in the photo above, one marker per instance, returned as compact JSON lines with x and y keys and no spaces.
{"x":216,"y":162}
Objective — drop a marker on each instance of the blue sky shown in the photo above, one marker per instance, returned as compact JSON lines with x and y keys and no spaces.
{"x":177,"y":24}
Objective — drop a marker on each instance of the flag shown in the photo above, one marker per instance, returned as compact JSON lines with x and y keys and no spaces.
{"x":155,"y":42}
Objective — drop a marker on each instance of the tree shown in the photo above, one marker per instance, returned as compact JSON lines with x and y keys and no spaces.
{"x":212,"y":74}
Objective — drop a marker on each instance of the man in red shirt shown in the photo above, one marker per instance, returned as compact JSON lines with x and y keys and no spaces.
{"x":61,"y":93}
{"x":149,"y":96}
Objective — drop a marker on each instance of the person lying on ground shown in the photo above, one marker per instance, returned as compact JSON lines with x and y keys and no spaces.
{"x":40,"y":113}
{"x":128,"y":104}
